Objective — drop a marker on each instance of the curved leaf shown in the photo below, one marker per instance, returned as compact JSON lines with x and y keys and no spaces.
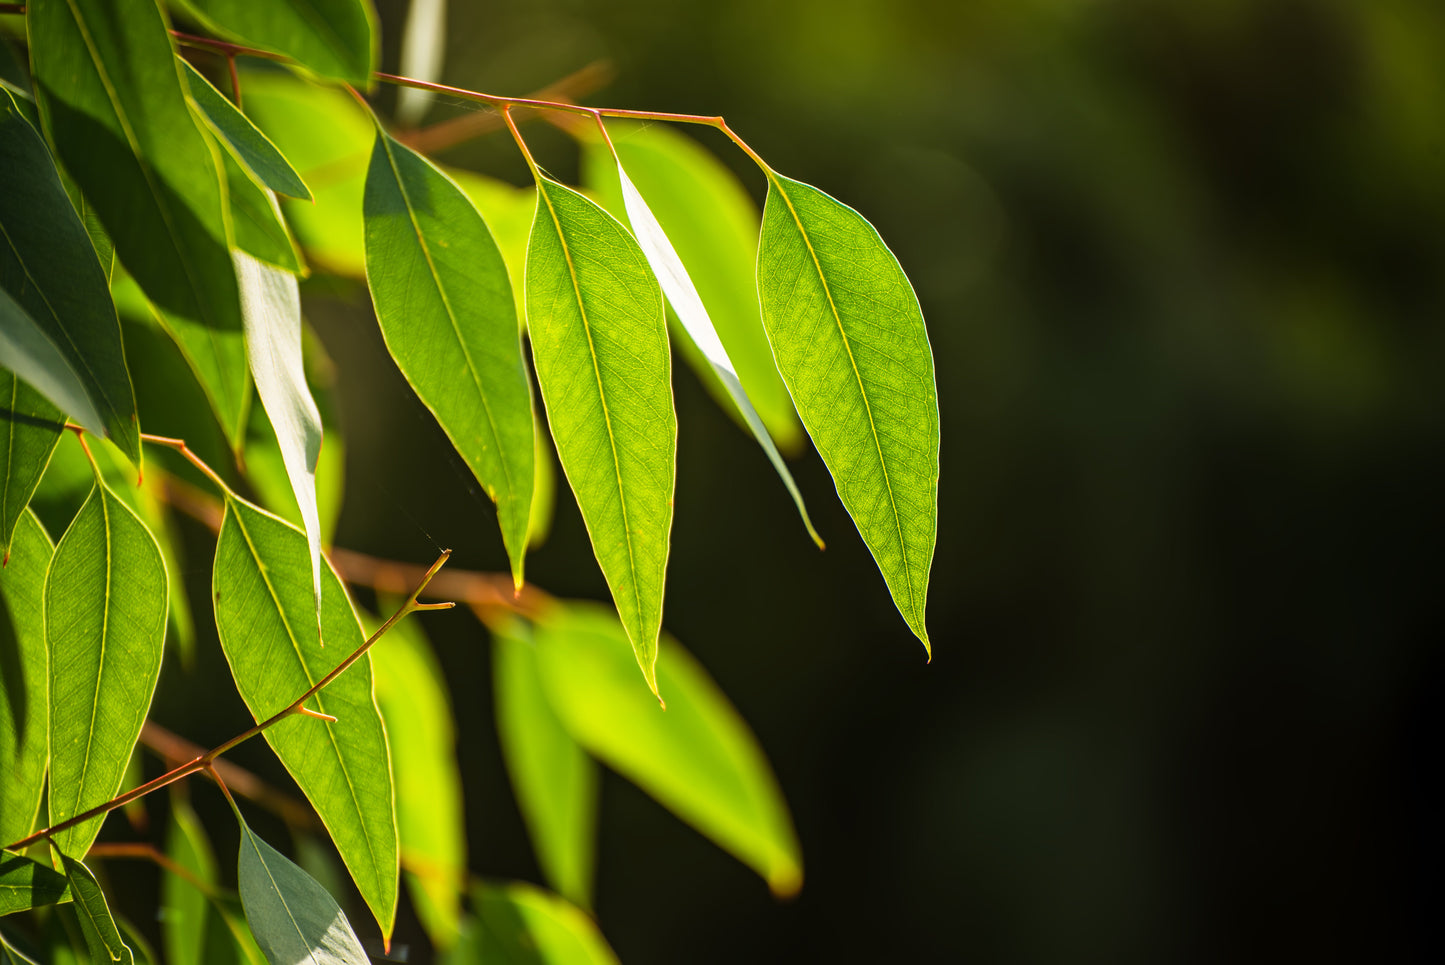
{"x":848,"y":335}
{"x":30,"y":428}
{"x":697,"y":758}
{"x":28,"y":351}
{"x":244,"y":140}
{"x":445,"y":306}
{"x":599,"y":341}
{"x":105,"y":622}
{"x":28,"y":884}
{"x":520,"y":924}
{"x":256,"y":221}
{"x":333,"y":38}
{"x":102,"y":936}
{"x":266,"y":616}
{"x":24,"y":683}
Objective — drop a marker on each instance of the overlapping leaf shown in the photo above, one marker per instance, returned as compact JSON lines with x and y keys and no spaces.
{"x":28,"y":884}
{"x":105,"y":618}
{"x":520,"y":924}
{"x":30,"y":428}
{"x":848,"y":336}
{"x":28,"y":351}
{"x":24,"y":684}
{"x":102,"y":936}
{"x":333,"y":38}
{"x":266,"y":616}
{"x":244,"y":140}
{"x":599,"y":340}
{"x":256,"y":221}
{"x":445,"y":306}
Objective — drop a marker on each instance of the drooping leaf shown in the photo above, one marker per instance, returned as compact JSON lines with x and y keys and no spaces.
{"x":712,"y":223}
{"x":256,"y":219}
{"x":245,"y":141}
{"x":185,"y":909}
{"x":332,"y":38}
{"x":99,"y":240}
{"x":140,"y":948}
{"x":49,"y":268}
{"x":30,"y":428}
{"x":685,"y":301}
{"x":102,"y":936}
{"x":544,"y":490}
{"x":599,"y":341}
{"x":28,"y":351}
{"x":271,"y":307}
{"x":849,"y":339}
{"x":554,"y":780}
{"x":10,"y":955}
{"x":520,"y":924}
{"x":697,"y":758}
{"x":293,"y":918}
{"x":266,"y":470}
{"x":105,"y":620}
{"x":28,"y":884}
{"x":445,"y":306}
{"x":24,"y":687}
{"x":266,"y":616}
{"x":423,"y":47}
{"x":414,"y":703}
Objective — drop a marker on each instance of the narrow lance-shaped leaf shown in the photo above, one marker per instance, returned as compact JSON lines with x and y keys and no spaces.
{"x":24,"y":687}
{"x":293,"y":918}
{"x":849,"y":339}
{"x":520,"y":924}
{"x":423,"y":47}
{"x":26,"y":884}
{"x":243,"y":139}
{"x":683,"y":297}
{"x":266,"y":617}
{"x":30,"y":428}
{"x":599,"y":341}
{"x":49,"y":269}
{"x":105,"y":618}
{"x":257,"y":223}
{"x":111,"y":98}
{"x":445,"y":306}
{"x":333,"y":38}
{"x":102,"y":936}
{"x":184,"y":905}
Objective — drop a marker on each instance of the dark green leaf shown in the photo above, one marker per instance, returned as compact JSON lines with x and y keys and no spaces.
{"x":30,"y":427}
{"x":105,"y":620}
{"x":256,"y":220}
{"x":333,"y":38}
{"x":104,"y":250}
{"x":244,"y":140}
{"x":849,"y":339}
{"x":24,"y":684}
{"x":10,"y":955}
{"x":28,"y":884}
{"x":520,"y":924}
{"x":445,"y":306}
{"x":599,"y":341}
{"x":28,"y":351}
{"x":102,"y":936}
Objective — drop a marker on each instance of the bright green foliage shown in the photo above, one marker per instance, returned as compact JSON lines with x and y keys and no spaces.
{"x":599,"y":341}
{"x":24,"y":687}
{"x":28,"y":884}
{"x":266,"y":616}
{"x":293,"y":918}
{"x":113,"y":104}
{"x":445,"y":305}
{"x":244,"y":139}
{"x":414,"y":703}
{"x":102,"y":936}
{"x":333,"y":38}
{"x":698,"y":758}
{"x":105,"y":619}
{"x":554,"y":780}
{"x":30,"y":427}
{"x":256,"y":220}
{"x":48,"y":266}
{"x":185,"y":906}
{"x":849,"y":339}
{"x":523,"y":925}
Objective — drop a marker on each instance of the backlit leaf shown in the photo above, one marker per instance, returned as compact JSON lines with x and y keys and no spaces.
{"x":24,"y":687}
{"x":849,"y":339}
{"x":266,"y":615}
{"x":28,"y":884}
{"x":520,"y":924}
{"x":697,"y":758}
{"x":30,"y":427}
{"x":444,"y":302}
{"x":244,"y":140}
{"x":105,"y":621}
{"x":256,"y":220}
{"x":599,"y":341}
{"x":29,"y":352}
{"x":184,"y":906}
{"x":333,"y":38}
{"x":102,"y":936}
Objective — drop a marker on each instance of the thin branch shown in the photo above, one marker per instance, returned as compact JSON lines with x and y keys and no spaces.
{"x":149,"y":852}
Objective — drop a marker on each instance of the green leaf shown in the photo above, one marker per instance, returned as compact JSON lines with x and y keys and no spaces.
{"x":185,"y":909}
{"x":104,"y":250}
{"x":849,"y":339}
{"x":698,"y":758}
{"x":554,"y":780}
{"x":28,"y":884}
{"x":423,"y":48}
{"x":30,"y":428}
{"x":599,"y":341}
{"x":49,"y":268}
{"x":24,"y":684}
{"x":260,"y":230}
{"x":445,"y":306}
{"x":10,"y":955}
{"x":414,"y":703}
{"x":508,"y":211}
{"x":293,"y":918}
{"x":266,"y":615}
{"x":228,"y":940}
{"x":105,"y":620}
{"x":520,"y":924}
{"x":243,"y":139}
{"x":28,"y":351}
{"x":113,"y":103}
{"x":332,"y":38}
{"x":713,"y":223}
{"x":685,"y":301}
{"x":266,"y":472}
{"x":102,"y":937}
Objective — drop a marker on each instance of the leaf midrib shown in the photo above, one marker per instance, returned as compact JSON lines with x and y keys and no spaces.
{"x":251,"y":837}
{"x":100,"y":668}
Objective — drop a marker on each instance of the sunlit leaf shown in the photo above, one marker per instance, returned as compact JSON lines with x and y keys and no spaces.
{"x":544,"y":490}
{"x":554,"y":780}
{"x":293,"y":918}
{"x":697,"y":758}
{"x":520,"y":924}
{"x":266,"y":615}
{"x":49,"y":269}
{"x":105,"y":619}
{"x":333,"y":38}
{"x":599,"y":341}
{"x":445,"y":306}
{"x":245,"y":141}
{"x":849,"y":339}
{"x":260,"y":230}
{"x":113,"y":103}
{"x":24,"y":684}
{"x":266,"y":472}
{"x":423,"y":47}
{"x":102,"y":936}
{"x":412,"y":694}
{"x":508,"y":211}
{"x":184,"y":905}
{"x":30,"y":428}
{"x":28,"y":884}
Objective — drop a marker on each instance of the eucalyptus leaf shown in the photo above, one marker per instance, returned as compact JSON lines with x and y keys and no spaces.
{"x":848,"y":336}
{"x":30,"y":428}
{"x":332,"y":38}
{"x":520,"y":924}
{"x":423,"y":48}
{"x":242,"y":138}
{"x":24,"y":684}
{"x":599,"y":341}
{"x":10,"y":955}
{"x":27,"y":351}
{"x":105,"y":620}
{"x":26,"y":884}
{"x":256,"y":219}
{"x":102,"y":936}
{"x":185,"y":909}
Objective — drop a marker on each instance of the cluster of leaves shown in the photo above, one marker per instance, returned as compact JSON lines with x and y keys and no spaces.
{"x":134,"y":188}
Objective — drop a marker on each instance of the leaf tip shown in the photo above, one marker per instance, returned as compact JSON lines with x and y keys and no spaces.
{"x":786,"y":882}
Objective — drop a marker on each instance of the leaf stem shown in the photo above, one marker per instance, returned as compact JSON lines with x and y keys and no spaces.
{"x":179,"y":445}
{"x":149,"y":852}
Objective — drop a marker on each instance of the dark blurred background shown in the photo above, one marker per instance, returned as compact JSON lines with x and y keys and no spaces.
{"x":1182,"y":269}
